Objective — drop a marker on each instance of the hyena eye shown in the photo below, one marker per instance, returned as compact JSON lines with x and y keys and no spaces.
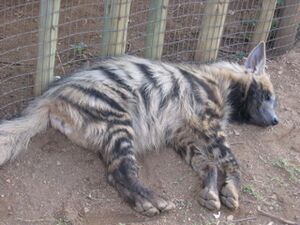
{"x":268,"y":97}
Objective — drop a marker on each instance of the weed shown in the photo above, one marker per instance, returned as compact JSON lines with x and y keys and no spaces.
{"x":249,"y":190}
{"x":249,"y":23}
{"x":280,"y":2}
{"x":277,"y":180}
{"x":240,"y":55}
{"x":79,"y":49}
{"x":62,"y":221}
{"x":285,"y":165}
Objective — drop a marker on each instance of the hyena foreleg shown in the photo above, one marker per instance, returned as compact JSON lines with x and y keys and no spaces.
{"x":123,"y":173}
{"x":113,"y":137}
{"x":207,"y":157}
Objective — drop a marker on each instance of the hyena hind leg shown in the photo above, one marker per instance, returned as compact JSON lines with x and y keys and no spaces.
{"x":122,"y":174}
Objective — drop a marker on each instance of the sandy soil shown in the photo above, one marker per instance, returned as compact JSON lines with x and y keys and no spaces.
{"x":58,"y":183}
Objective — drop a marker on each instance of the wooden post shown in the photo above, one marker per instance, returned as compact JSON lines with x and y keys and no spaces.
{"x":212,"y":29}
{"x":290,"y":19}
{"x":264,"y":22}
{"x":156,"y":28}
{"x":48,"y":32}
{"x":115,"y":27}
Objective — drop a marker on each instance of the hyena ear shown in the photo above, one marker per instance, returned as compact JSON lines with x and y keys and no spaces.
{"x":256,"y":61}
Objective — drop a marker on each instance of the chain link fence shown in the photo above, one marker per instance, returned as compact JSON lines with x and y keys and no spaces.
{"x":46,"y":37}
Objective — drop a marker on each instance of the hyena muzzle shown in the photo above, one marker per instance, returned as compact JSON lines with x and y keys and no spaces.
{"x":124,"y":106}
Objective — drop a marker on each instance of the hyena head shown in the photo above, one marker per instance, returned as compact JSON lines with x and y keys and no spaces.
{"x":260,"y":99}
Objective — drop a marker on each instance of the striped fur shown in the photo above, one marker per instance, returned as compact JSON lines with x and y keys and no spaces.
{"x":126,"y":106}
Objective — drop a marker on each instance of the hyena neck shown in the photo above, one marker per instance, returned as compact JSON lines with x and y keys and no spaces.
{"x":237,"y":98}
{"x":234,"y":82}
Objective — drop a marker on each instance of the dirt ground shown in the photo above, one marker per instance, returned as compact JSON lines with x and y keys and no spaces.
{"x":58,"y":183}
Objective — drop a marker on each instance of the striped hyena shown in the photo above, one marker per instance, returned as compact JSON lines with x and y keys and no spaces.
{"x":124,"y":106}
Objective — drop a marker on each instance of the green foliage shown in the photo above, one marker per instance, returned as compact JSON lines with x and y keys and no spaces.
{"x":62,"y":221}
{"x":250,"y":23}
{"x":292,"y":170}
{"x":250,"y":190}
{"x":79,"y":48}
{"x":280,"y":2}
{"x":240,"y":55}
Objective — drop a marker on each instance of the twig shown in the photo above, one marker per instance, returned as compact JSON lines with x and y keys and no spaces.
{"x":277,"y":218}
{"x":243,"y":219}
{"x":250,"y":201}
{"x":14,"y":64}
{"x":237,"y":143}
{"x":36,"y":220}
{"x":62,"y":67}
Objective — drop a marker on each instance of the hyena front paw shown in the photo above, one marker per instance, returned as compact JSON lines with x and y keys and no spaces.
{"x":209,"y":198}
{"x":230,"y":195}
{"x":152,"y":205}
{"x":142,"y":199}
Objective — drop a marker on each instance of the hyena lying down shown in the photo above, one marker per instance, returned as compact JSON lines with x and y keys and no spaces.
{"x":124,"y":106}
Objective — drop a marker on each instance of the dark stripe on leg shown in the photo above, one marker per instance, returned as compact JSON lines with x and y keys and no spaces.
{"x":125,"y":132}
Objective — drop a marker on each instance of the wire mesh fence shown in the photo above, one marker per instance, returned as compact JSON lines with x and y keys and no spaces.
{"x":36,"y":37}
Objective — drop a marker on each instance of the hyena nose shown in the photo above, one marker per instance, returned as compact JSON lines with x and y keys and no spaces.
{"x":275,"y":121}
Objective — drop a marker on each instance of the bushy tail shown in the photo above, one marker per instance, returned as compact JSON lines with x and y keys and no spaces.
{"x":16,"y":134}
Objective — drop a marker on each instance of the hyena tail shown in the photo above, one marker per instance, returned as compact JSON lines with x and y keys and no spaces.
{"x":16,"y":134}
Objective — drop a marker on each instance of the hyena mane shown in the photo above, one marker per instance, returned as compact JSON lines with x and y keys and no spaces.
{"x":125,"y":106}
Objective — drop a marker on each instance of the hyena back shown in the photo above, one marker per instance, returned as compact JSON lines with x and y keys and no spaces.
{"x":125,"y":106}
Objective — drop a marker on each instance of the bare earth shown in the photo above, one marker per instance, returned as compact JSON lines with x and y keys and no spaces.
{"x":58,"y":183}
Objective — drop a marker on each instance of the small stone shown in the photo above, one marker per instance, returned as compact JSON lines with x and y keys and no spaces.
{"x":280,"y":72}
{"x":270,"y":223}
{"x":90,"y":196}
{"x":274,"y":196}
{"x":236,"y":132}
{"x":58,"y":163}
{"x":86,"y":209}
{"x":2,"y":196}
{"x":231,"y":12}
{"x":8,"y":181}
{"x":230,"y":218}
{"x":217,"y":216}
